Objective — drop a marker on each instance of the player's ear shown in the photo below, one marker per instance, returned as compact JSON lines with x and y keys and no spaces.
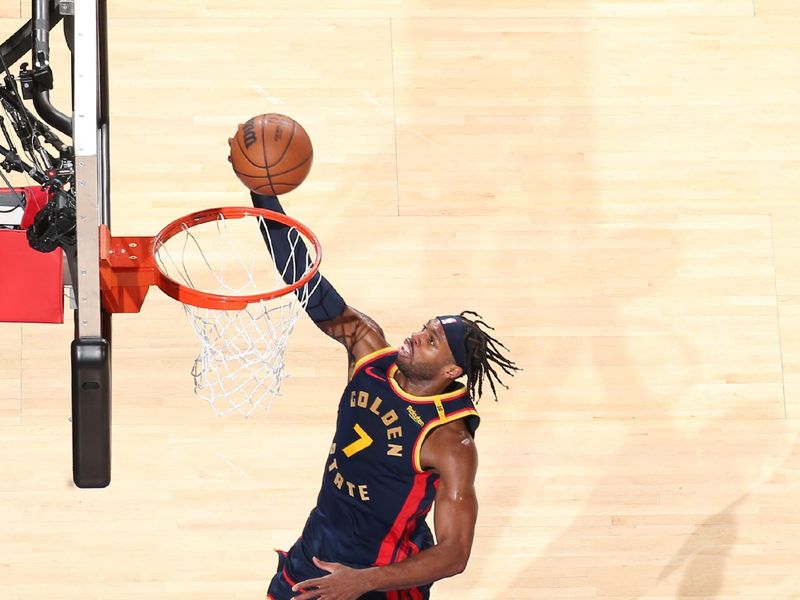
{"x":453,"y":371}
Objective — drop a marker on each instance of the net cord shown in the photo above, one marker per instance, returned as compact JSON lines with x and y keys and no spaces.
{"x":241,"y":361}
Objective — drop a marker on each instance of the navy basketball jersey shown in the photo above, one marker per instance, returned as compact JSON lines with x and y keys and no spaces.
{"x":375,"y":495}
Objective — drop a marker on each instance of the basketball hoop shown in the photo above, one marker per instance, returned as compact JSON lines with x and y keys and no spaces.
{"x":218,"y":264}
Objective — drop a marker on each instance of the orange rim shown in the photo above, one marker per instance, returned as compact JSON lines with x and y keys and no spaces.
{"x":187,"y":295}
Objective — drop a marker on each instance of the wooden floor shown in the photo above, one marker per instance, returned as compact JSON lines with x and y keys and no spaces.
{"x":613,"y":184}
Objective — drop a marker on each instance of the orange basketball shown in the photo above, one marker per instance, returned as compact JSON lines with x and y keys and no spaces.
{"x":271,"y":154}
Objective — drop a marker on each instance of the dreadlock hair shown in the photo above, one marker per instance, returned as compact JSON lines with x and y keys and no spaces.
{"x":483,"y":351}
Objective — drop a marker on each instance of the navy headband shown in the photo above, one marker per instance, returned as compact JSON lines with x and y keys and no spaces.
{"x":456,"y":332}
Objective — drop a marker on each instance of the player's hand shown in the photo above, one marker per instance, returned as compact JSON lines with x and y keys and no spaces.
{"x":343,"y":583}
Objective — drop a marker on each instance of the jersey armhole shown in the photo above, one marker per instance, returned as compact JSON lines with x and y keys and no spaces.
{"x":430,"y":426}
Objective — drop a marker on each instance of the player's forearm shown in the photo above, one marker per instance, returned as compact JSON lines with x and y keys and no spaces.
{"x":291,"y":256}
{"x":437,"y":562}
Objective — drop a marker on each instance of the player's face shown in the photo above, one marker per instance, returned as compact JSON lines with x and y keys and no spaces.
{"x":425,"y":354}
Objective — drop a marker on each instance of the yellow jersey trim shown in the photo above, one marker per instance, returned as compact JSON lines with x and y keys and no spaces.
{"x":439,"y":408}
{"x":371,"y":356}
{"x":459,"y":414}
{"x":438,"y":398}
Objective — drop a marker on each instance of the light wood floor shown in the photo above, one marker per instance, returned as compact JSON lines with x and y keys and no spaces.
{"x":613,"y":184}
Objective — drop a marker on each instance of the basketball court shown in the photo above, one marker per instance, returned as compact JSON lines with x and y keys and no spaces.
{"x":612,"y":185}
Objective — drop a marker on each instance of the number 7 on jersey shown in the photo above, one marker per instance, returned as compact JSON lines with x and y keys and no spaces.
{"x":364,"y":441}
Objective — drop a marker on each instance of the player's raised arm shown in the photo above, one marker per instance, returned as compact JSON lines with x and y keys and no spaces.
{"x":353,"y":329}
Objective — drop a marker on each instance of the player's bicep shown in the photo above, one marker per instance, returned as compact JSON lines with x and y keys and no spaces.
{"x":357,"y":332}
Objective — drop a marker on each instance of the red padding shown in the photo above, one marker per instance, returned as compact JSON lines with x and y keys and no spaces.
{"x":35,"y":199}
{"x":31,"y":285}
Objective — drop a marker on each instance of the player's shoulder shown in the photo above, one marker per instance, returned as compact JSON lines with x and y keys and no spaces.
{"x":450,"y":448}
{"x":455,"y":432}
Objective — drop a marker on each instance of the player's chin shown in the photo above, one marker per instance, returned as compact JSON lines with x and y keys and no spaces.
{"x":403,"y":364}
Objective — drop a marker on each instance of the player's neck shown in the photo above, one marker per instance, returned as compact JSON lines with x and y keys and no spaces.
{"x":418,"y":387}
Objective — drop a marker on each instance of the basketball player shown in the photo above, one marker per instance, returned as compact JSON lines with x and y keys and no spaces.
{"x":403,"y":441}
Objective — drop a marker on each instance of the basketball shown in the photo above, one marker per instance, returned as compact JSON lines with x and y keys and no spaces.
{"x":271,"y":154}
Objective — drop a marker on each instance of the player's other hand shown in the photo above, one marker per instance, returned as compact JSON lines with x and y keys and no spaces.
{"x":343,"y":583}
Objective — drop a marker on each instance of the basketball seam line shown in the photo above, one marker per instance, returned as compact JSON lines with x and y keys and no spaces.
{"x":264,"y":150}
{"x":247,"y":158}
{"x":248,"y":175}
{"x":310,"y":156}
{"x":276,"y":185}
{"x":288,"y":144}
{"x":297,"y":166}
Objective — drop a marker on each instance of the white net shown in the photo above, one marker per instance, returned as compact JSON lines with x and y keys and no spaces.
{"x":240,"y":365}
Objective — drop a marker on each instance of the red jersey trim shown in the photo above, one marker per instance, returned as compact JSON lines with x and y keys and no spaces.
{"x":406,"y":550}
{"x":285,"y":573}
{"x":395,"y":535}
